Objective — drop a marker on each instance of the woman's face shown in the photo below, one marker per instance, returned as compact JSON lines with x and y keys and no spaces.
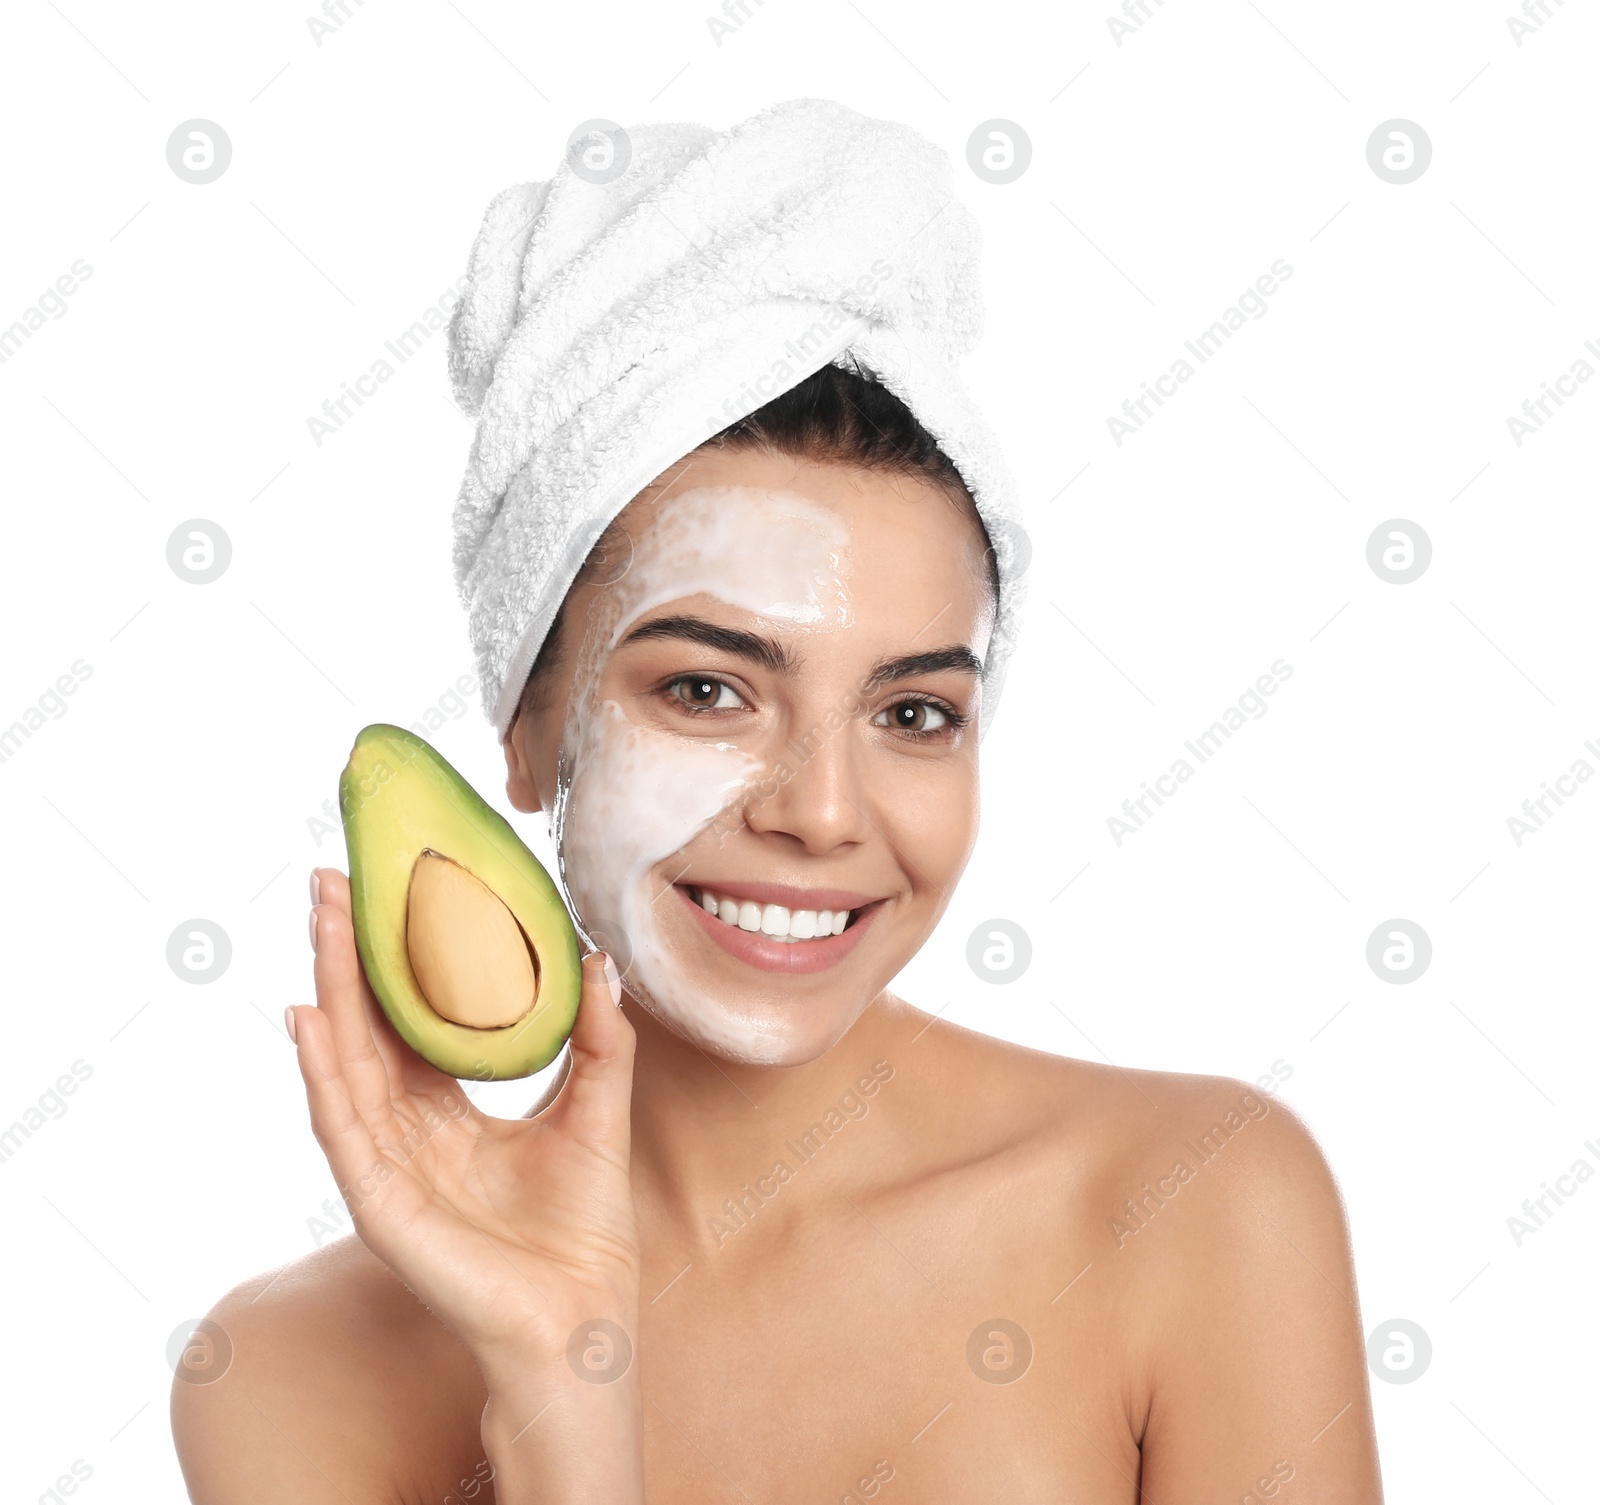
{"x":762,"y":718}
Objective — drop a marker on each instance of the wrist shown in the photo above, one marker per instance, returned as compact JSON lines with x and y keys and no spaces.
{"x":596,"y":1340}
{"x":553,"y":1433}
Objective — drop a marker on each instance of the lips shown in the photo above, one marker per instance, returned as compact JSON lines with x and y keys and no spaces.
{"x":778,"y":921}
{"x":767,"y":923}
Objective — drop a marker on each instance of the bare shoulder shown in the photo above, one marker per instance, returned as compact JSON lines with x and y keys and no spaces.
{"x":1189,"y":1166}
{"x":1220,"y":1238}
{"x":1223,"y":1282}
{"x":1127,"y":1134}
{"x":1219,"y":1165}
{"x":1183,"y":1185}
{"x":1053,"y":1102}
{"x":327,"y":1380}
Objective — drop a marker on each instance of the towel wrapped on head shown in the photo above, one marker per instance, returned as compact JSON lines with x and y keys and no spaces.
{"x":659,"y":288}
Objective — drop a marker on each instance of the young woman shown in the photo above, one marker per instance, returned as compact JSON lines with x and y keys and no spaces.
{"x":781,"y":1235}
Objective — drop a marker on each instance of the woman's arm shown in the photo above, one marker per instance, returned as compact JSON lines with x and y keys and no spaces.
{"x":520,"y":1236}
{"x":1258,"y":1387}
{"x":554,"y":1436}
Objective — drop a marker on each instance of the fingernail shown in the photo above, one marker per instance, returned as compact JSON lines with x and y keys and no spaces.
{"x":313,"y":930}
{"x":316,"y":887}
{"x":288,"y":1023}
{"x":613,"y":980}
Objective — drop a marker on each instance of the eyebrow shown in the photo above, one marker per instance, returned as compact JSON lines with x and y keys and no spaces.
{"x":774,"y":656}
{"x":957,"y":657}
{"x":767,"y":652}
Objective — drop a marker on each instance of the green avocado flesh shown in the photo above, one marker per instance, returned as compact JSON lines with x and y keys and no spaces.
{"x":398,"y":798}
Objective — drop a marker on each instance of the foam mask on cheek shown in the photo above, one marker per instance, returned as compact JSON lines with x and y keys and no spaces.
{"x":630,"y":795}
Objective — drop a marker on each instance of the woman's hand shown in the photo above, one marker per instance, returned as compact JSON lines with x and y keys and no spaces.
{"x":516,"y":1233}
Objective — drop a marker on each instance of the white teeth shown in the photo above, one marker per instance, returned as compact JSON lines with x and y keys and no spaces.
{"x":773,"y":920}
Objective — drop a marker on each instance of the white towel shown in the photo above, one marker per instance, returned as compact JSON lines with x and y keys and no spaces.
{"x":612,"y":326}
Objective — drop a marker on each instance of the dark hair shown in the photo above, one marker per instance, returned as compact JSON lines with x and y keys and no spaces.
{"x":851,"y":418}
{"x":846,"y":417}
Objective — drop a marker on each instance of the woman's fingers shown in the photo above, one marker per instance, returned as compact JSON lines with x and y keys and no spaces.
{"x":339,"y":1127}
{"x":406,"y":1070}
{"x":338,"y":976}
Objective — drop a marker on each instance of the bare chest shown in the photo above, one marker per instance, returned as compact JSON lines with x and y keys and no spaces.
{"x":962,"y":1341}
{"x":945,"y":1346}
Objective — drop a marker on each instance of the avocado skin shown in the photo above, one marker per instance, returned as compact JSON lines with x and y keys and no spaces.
{"x":397,"y":795}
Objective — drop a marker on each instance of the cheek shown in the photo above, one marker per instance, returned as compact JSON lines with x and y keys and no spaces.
{"x":934,"y":811}
{"x":636,"y":797}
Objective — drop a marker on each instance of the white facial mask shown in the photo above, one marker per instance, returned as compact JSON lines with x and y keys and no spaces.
{"x":629,"y":795}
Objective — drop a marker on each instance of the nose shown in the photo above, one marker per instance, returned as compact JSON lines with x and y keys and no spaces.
{"x":812,"y":791}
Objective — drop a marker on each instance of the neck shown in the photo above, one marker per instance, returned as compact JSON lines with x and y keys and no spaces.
{"x":717,"y":1143}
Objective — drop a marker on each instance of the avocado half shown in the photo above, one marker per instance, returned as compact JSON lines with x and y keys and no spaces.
{"x":402,"y":802}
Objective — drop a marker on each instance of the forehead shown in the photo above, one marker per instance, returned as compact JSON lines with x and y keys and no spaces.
{"x":817,"y":543}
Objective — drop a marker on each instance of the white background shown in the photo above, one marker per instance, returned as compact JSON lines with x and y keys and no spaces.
{"x":1230,"y":932}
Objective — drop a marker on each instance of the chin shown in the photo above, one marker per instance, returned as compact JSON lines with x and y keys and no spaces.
{"x":718,"y":1018}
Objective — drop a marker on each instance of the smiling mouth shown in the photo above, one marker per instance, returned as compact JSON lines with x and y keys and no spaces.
{"x":775,"y":922}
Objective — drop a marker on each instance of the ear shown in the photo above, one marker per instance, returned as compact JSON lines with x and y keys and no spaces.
{"x":520,"y":788}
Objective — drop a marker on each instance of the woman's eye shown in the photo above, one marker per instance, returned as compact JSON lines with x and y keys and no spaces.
{"x":701,"y":693}
{"x":914,"y":716}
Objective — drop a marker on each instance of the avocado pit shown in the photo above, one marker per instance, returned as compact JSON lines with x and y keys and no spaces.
{"x":472,"y":960}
